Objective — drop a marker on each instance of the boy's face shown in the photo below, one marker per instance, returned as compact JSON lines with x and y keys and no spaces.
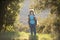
{"x":32,"y":12}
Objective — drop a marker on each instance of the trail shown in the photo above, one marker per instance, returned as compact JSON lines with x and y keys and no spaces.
{"x":24,"y":12}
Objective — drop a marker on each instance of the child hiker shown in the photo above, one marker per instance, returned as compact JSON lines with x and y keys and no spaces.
{"x":32,"y":22}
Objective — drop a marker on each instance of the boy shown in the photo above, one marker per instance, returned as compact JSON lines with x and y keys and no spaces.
{"x":32,"y":22}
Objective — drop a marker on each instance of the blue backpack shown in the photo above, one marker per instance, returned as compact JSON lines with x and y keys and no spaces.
{"x":32,"y":21}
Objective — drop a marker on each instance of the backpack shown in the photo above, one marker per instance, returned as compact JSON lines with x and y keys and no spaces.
{"x":32,"y":21}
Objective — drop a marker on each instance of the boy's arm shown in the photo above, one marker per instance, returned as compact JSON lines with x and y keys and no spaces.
{"x":28,"y":20}
{"x":35,"y":21}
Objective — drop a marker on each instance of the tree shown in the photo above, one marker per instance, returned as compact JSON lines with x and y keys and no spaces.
{"x":8,"y":11}
{"x":54,"y":5}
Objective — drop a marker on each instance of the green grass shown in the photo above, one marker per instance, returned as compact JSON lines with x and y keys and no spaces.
{"x":23,"y":36}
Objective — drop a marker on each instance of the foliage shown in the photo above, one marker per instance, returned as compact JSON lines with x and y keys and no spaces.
{"x":9,"y":11}
{"x":54,"y":5}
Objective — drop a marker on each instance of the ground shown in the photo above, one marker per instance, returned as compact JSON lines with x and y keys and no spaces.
{"x":23,"y":36}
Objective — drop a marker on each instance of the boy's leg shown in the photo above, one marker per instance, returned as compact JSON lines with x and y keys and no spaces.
{"x":34,"y":30}
{"x":31,"y":30}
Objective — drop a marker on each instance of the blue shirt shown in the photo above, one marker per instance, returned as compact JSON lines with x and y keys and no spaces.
{"x":32,"y":21}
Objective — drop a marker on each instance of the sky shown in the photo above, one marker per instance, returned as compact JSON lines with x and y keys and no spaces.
{"x":25,"y":11}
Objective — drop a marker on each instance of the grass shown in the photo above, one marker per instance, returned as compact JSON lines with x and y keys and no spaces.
{"x":23,"y":36}
{"x":26,"y":36}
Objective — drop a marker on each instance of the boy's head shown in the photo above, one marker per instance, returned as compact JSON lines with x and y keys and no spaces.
{"x":31,"y":12}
